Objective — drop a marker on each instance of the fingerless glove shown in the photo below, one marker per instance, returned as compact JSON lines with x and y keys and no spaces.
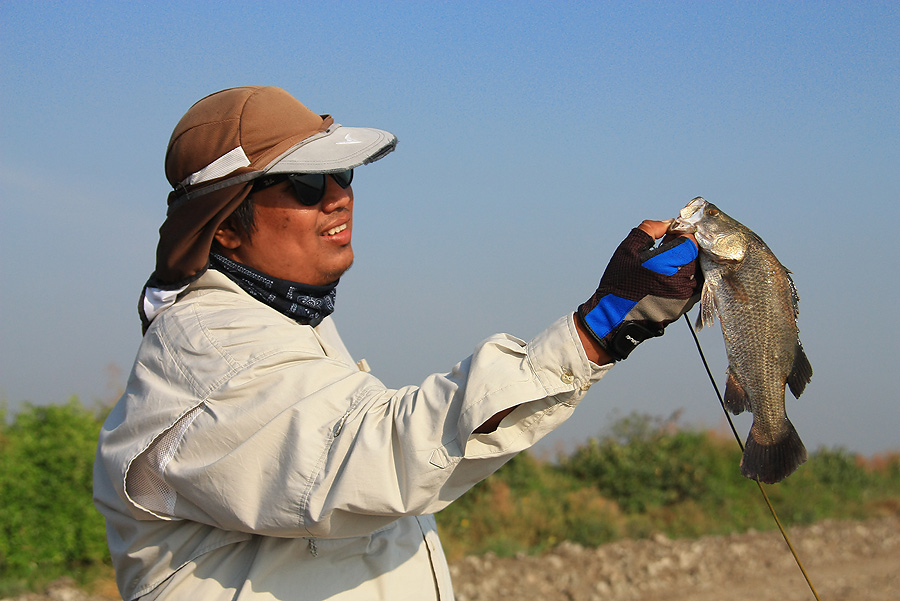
{"x":642,"y":291}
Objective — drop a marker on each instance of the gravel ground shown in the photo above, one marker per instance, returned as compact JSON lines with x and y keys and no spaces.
{"x":846,"y":561}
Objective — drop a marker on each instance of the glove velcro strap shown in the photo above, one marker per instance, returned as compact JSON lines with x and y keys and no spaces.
{"x":620,"y":324}
{"x":626,"y":337}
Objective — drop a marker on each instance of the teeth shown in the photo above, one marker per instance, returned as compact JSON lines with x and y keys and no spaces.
{"x":336,"y":230}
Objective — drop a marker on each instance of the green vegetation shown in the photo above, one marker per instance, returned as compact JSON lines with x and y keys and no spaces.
{"x":646,"y":476}
{"x":48,"y":525}
{"x":643,"y":476}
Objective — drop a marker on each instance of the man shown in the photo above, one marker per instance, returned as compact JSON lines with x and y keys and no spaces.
{"x":250,"y":457}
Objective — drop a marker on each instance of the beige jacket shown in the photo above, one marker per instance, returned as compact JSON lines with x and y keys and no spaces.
{"x":250,"y":458}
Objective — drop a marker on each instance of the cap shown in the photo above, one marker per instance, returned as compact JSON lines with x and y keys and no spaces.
{"x":239,"y":134}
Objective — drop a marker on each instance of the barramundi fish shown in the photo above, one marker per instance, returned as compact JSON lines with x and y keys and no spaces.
{"x":757,"y":305}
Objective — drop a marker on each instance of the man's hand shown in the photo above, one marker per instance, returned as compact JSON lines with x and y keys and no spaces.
{"x":642,"y":291}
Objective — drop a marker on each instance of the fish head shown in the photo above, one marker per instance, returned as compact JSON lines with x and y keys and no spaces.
{"x":722,"y":237}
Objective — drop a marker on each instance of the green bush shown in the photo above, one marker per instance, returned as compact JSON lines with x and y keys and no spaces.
{"x":833,"y":482}
{"x":48,"y":524}
{"x":645,"y":476}
{"x":645,"y":462}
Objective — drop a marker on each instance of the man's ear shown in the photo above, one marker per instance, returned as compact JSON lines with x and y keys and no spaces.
{"x":227,"y":236}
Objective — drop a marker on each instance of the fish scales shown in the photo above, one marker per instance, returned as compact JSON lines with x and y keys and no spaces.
{"x":755,"y":300}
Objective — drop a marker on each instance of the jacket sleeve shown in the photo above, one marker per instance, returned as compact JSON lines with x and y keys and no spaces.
{"x":295,"y":443}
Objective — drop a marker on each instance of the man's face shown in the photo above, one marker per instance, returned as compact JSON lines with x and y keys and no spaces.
{"x":309,"y":245}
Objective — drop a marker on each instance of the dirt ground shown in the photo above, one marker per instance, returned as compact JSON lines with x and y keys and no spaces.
{"x":846,"y":561}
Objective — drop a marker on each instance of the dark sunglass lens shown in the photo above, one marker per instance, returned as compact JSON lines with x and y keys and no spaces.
{"x":343,"y":178}
{"x":309,"y":187}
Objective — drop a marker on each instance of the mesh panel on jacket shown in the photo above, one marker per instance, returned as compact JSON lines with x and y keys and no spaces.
{"x":145,"y":481}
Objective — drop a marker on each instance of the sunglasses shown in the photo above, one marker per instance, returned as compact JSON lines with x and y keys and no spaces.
{"x":309,"y":188}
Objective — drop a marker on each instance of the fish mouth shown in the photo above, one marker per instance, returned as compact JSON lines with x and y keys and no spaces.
{"x":689,"y":217}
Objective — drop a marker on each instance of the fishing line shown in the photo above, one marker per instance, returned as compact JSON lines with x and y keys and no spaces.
{"x":737,"y":437}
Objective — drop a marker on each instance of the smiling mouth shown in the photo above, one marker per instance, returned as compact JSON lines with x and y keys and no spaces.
{"x":336,"y":230}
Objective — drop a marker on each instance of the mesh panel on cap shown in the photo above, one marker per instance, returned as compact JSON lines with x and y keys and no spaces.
{"x":228,"y":163}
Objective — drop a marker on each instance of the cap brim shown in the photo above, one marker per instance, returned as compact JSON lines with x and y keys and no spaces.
{"x":337,"y":149}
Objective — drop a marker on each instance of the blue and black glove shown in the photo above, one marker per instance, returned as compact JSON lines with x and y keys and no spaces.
{"x":642,"y":291}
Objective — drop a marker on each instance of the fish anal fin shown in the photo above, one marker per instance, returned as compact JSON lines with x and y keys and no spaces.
{"x":801,"y":372}
{"x":736,"y":399}
{"x":771,"y":463}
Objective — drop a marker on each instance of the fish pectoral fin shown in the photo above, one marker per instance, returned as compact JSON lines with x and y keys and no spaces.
{"x":736,"y":399}
{"x":801,"y":372}
{"x":738,"y":291}
{"x":707,"y":314}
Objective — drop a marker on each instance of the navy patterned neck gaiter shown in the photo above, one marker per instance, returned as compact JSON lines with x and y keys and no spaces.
{"x":303,"y":303}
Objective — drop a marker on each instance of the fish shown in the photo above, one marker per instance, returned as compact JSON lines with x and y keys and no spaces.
{"x":757,"y":305}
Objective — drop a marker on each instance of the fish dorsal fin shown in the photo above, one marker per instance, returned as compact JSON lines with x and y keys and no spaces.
{"x":795,"y":298}
{"x":801,"y":372}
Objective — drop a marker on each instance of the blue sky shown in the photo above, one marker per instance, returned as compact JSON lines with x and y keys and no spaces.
{"x":533,"y":136}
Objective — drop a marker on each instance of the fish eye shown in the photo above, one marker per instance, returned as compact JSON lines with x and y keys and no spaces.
{"x":712,"y":212}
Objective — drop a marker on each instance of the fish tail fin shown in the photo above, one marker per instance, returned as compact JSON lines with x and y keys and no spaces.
{"x":801,"y":372}
{"x":771,"y":463}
